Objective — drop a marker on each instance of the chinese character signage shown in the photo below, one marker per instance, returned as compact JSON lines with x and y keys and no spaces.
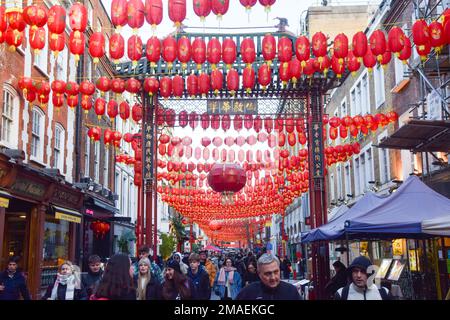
{"x":233,"y":106}
{"x":317,"y":149}
{"x":147,"y":147}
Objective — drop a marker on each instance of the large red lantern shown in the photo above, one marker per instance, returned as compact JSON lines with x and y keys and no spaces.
{"x":169,"y":51}
{"x":116,"y":47}
{"x":133,"y":86}
{"x":248,"y":79}
{"x":353,"y":63}
{"x":359,"y":45}
{"x":165,"y":88}
{"x":72,"y":88}
{"x":134,"y":49}
{"x":151,"y":86}
{"x":437,"y":38}
{"x":35,"y":16}
{"x":135,"y":13}
{"x":184,"y":51}
{"x":378,"y":44}
{"x":124,"y":110}
{"x":340,"y":47}
{"x":264,"y":76}
{"x":119,"y":13}
{"x":267,"y":4}
{"x":369,"y":60}
{"x":13,"y":38}
{"x":396,"y":40}
{"x":216,"y":81}
{"x":58,"y":87}
{"x":15,"y":19}
{"x":405,"y":54}
{"x":421,"y":33}
{"x":192,"y":85}
{"x":226,"y":178}
{"x":177,"y":11}
{"x":56,"y":22}
{"x":204,"y":84}
{"x":232,"y":81}
{"x":220,"y":7}
{"x":386,"y":58}
{"x":118,"y":86}
{"x":78,"y":18}
{"x":37,"y":39}
{"x":103,"y":84}
{"x":183,"y":119}
{"x":112,"y":110}
{"x":3,"y":24}
{"x":269,"y":48}
{"x":86,"y":103}
{"x":57,"y":43}
{"x":284,"y":50}
{"x":153,"y":12}
{"x":214,"y":51}
{"x":229,"y":52}
{"x":295,"y":69}
{"x":153,"y":51}
{"x":178,"y":86}
{"x":302,"y":49}
{"x":136,"y":112}
{"x":202,"y":8}
{"x":284,"y":73}
{"x":97,"y":46}
{"x":319,"y":46}
{"x":76,"y":44}
{"x":199,"y":52}
{"x":248,"y":51}
{"x":87,"y":88}
{"x":99,"y":107}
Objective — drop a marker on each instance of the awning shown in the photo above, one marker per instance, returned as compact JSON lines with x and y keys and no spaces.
{"x":420,"y":136}
{"x":106,"y":206}
{"x":4,"y":199}
{"x":67,"y":214}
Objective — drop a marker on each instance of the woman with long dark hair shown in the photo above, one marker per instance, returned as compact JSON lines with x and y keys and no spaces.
{"x":117,"y":281}
{"x":176,"y":286}
{"x":228,"y":282}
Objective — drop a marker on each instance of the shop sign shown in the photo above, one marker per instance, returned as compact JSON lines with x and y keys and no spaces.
{"x":147,"y":145}
{"x":317,"y":149}
{"x":67,"y":217}
{"x":65,"y":197}
{"x":89,"y":212}
{"x":30,"y":188}
{"x":236,"y":106}
{"x":4,"y":202}
{"x":397,"y":247}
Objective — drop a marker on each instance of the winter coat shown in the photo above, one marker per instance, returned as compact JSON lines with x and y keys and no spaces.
{"x":211,"y":269}
{"x":90,"y":281}
{"x":15,"y":286}
{"x":155,"y":270}
{"x":153,"y":290}
{"x":258,"y":291}
{"x":356,"y":293}
{"x":250,"y":278}
{"x":176,"y":295}
{"x":235,"y":287}
{"x":79,"y":294}
{"x":338,"y":281}
{"x":201,"y":287}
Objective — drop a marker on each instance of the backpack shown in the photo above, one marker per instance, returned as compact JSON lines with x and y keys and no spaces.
{"x":346,"y":289}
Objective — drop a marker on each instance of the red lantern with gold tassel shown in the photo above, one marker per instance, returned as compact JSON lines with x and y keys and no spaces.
{"x":199,"y":52}
{"x":424,"y":51}
{"x":284,"y":50}
{"x":133,"y":86}
{"x":248,"y":51}
{"x":337,"y":67}
{"x":184,"y":51}
{"x":13,"y":38}
{"x":284,"y":73}
{"x":3,"y":24}
{"x":353,"y":63}
{"x":99,"y":107}
{"x":78,"y":17}
{"x":135,"y":13}
{"x":437,"y":39}
{"x":405,"y":54}
{"x":153,"y":51}
{"x":302,"y":49}
{"x":309,"y":68}
{"x":192,"y":85}
{"x":269,"y":48}
{"x":220,"y":7}
{"x":204,"y":84}
{"x":169,"y":51}
{"x":378,"y":44}
{"x":325,"y":66}
{"x":214,"y":51}
{"x":248,"y":79}
{"x":151,"y":86}
{"x":72,"y":88}
{"x":119,"y":13}
{"x":58,"y":101}
{"x":340,"y":47}
{"x":267,"y":4}
{"x":319,"y":46}
{"x":165,"y":88}
{"x":97,"y":46}
{"x":229,"y":52}
{"x":369,"y":60}
{"x":112,"y":109}
{"x":421,"y":33}
{"x":177,"y":11}
{"x":116,"y":47}
{"x":264,"y":76}
{"x":56,"y":21}
{"x":153,"y":12}
{"x":103,"y":84}
{"x":295,"y":68}
{"x":232,"y":81}
{"x":396,"y":40}
{"x":35,"y":16}
{"x":87,"y":88}
{"x":178,"y":86}
{"x":14,"y":17}
{"x":359,"y":45}
{"x":86,"y":103}
{"x":386,"y":58}
{"x":76,"y":44}
{"x":37,"y":39}
{"x":136,"y":112}
{"x":216,"y":81}
{"x":57,"y":43}
{"x":134,"y":49}
{"x":58,"y":87}
{"x":202,"y":8}
{"x":118,"y":86}
{"x":124,"y":110}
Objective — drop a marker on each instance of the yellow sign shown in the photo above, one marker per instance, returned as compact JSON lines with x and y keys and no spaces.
{"x":4,"y":202}
{"x":268,"y":223}
{"x":398,"y":247}
{"x":67,"y":217}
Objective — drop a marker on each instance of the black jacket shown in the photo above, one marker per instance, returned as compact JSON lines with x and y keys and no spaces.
{"x":15,"y":286}
{"x":90,"y":281}
{"x":250,"y":278}
{"x":258,"y":291}
{"x":201,"y":286}
{"x":79,"y":294}
{"x":337,"y":282}
{"x":153,"y":290}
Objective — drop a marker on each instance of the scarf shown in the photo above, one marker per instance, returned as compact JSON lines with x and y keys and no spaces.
{"x":142,"y":283}
{"x":66,"y":280}
{"x":230,"y":270}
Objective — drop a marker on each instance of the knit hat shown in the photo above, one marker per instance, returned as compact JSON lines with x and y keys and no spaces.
{"x":361,"y":262}
{"x":173,"y":264}
{"x":145,"y":261}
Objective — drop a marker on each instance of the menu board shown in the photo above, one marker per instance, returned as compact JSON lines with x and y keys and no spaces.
{"x":396,"y":270}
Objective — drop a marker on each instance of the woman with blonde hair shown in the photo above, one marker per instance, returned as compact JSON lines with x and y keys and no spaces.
{"x":147,"y":287}
{"x":67,"y":285}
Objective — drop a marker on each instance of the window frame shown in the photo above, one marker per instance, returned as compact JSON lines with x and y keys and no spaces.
{"x":87,"y":154}
{"x":11,"y":118}
{"x":380,"y":85}
{"x":37,"y":136}
{"x":60,"y":165}
{"x":97,"y":162}
{"x":106,"y":168}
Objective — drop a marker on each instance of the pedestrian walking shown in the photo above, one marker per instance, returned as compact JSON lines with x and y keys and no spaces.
{"x":199,"y":278}
{"x":339,"y":280}
{"x":13,"y":284}
{"x":117,"y":280}
{"x":176,"y":285}
{"x":178,"y":258}
{"x":287,"y":268}
{"x":359,"y":289}
{"x":228,"y":282}
{"x":250,"y":274}
{"x":67,"y":285}
{"x":209,"y":266}
{"x":147,"y":287}
{"x":144,"y":252}
{"x":91,"y":279}
{"x":270,"y":287}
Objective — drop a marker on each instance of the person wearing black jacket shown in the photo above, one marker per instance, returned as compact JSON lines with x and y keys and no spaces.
{"x":13,"y":283}
{"x":91,"y":279}
{"x":270,"y":287}
{"x":250,"y":275}
{"x":339,"y":280}
{"x":147,"y":287}
{"x":200,"y":279}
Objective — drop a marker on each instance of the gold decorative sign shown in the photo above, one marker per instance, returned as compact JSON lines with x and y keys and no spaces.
{"x":232,"y":106}
{"x":4,"y":202}
{"x":67,"y":217}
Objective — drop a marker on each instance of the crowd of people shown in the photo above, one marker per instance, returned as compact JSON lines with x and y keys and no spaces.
{"x":188,"y":276}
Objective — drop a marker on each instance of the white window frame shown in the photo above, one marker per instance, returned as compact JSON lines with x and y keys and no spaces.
{"x":37,"y":135}
{"x":358,"y":93}
{"x":10,"y":119}
{"x":347,"y":180}
{"x":117,"y":188}
{"x":383,"y":157}
{"x":380,"y":88}
{"x":61,"y":65}
{"x":339,"y":182}
{"x":343,"y":108}
{"x":59,"y":147}
{"x":90,"y":11}
{"x":124,"y":194}
{"x":356,"y":170}
{"x":41,"y":59}
{"x":13,"y":4}
{"x":87,"y":154}
{"x":97,"y":162}
{"x":106,"y":168}
{"x":332,"y":193}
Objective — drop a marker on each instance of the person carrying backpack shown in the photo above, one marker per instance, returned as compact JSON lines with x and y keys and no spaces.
{"x":358,"y":289}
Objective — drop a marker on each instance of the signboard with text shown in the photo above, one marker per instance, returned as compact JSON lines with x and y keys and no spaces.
{"x":232,"y":106}
{"x":317,"y":149}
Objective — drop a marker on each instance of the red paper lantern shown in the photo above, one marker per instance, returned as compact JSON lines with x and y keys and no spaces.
{"x":15,"y":19}
{"x":232,"y":81}
{"x":423,"y":51}
{"x":215,"y":123}
{"x":97,"y":46}
{"x":103,"y":84}
{"x":124,"y":110}
{"x":353,"y":63}
{"x":13,"y":38}
{"x":269,"y":48}
{"x":153,"y":12}
{"x":183,"y":119}
{"x":369,"y":60}
{"x":136,"y":112}
{"x":421,"y":33}
{"x":177,"y":11}
{"x":133,"y":86}
{"x":396,"y":39}
{"x":58,"y":87}
{"x":437,"y":38}
{"x":267,"y":4}
{"x":237,"y":123}
{"x":229,"y":52}
{"x":76,"y":44}
{"x":340,"y":47}
{"x":119,"y":13}
{"x":377,"y":42}
{"x":343,"y":132}
{"x":248,"y":80}
{"x":386,"y":58}
{"x":153,"y":51}
{"x":58,"y":101}
{"x":99,"y":107}
{"x":227,"y":178}
{"x":151,"y":86}
{"x":319,"y":46}
{"x":35,"y":16}
{"x":359,"y":45}
{"x":57,"y":43}
{"x":116,"y":47}
{"x":112,"y":109}
{"x":87,"y":88}
{"x":214,"y":51}
{"x":302,"y":49}
{"x":78,"y":17}
{"x":86,"y":103}
{"x":338,"y":68}
{"x":248,"y":51}
{"x":56,"y":22}
{"x":284,"y":73}
{"x":134,"y":49}
{"x":199,"y":52}
{"x":309,"y":68}
{"x":192,"y":85}
{"x":335,"y":122}
{"x":284,"y":50}
{"x":135,"y":13}
{"x":165,"y":89}
{"x":37,"y":39}
{"x":202,"y":8}
{"x":72,"y":101}
{"x":220,"y":7}
{"x":3,"y":24}
{"x":118,"y":86}
{"x":72,"y":88}
{"x":392,"y":116}
{"x":184,"y":51}
{"x":169,"y":50}
{"x":264,"y":76}
{"x":204,"y":84}
{"x":178,"y":86}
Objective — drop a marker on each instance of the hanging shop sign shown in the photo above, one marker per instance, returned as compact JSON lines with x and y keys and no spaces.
{"x":29,"y":188}
{"x":236,"y":106}
{"x":397,"y":247}
{"x":4,"y":202}
{"x":67,"y":214}
{"x":317,"y":149}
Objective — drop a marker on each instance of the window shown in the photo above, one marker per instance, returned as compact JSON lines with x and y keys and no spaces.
{"x":357,"y":177}
{"x":97,"y":162}
{"x":90,"y":10}
{"x":378,"y":75}
{"x":89,"y":68}
{"x":106,"y":168}
{"x":347,"y":181}
{"x":339,"y":182}
{"x":362,"y":174}
{"x":87,"y":152}
{"x":344,"y":111}
{"x":365,"y":103}
{"x":13,"y":4}
{"x":384,"y":160}
{"x":37,"y":132}
{"x":369,"y":167}
{"x":61,"y":66}
{"x":10,"y":103}
{"x":333,"y":196}
{"x":359,"y":96}
{"x":124,"y":199}
{"x":117,"y":188}
{"x":131,"y":193}
{"x":58,"y":160}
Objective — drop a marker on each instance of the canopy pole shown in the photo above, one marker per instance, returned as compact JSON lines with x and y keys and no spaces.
{"x":348,"y":249}
{"x":436,"y":269}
